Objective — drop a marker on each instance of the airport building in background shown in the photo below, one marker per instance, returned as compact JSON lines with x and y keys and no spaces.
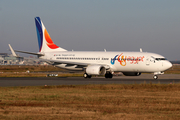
{"x":8,"y":59}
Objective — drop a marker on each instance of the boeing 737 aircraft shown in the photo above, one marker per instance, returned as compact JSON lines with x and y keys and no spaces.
{"x":97,"y":63}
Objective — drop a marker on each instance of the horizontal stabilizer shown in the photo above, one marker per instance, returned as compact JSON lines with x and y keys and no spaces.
{"x":39,"y":54}
{"x":15,"y":55}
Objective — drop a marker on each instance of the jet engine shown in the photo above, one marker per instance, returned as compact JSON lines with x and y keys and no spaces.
{"x":95,"y":70}
{"x":132,"y":73}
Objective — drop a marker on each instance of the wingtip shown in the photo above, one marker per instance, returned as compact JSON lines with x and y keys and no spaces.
{"x":141,"y":50}
{"x":12,"y":51}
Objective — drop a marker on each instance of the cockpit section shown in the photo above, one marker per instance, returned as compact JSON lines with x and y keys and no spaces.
{"x":160,"y":64}
{"x":158,"y":59}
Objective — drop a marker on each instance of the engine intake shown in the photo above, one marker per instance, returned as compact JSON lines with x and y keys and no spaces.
{"x":95,"y":70}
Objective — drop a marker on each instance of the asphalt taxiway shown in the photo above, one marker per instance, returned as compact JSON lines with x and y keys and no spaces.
{"x":41,"y":81}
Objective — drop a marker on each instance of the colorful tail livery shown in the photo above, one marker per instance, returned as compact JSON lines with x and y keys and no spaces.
{"x":45,"y":42}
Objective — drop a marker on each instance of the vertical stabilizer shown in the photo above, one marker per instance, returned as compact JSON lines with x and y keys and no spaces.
{"x":45,"y":42}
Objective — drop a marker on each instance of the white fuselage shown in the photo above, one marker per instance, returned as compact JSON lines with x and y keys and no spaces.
{"x":117,"y":61}
{"x":96,"y":63}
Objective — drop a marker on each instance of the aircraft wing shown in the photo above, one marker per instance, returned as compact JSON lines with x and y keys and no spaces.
{"x":53,"y":62}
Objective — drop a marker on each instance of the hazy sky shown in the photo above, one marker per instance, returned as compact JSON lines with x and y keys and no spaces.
{"x":94,"y":25}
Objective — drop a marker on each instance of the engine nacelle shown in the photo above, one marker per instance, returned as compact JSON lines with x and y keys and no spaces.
{"x":131,"y":73}
{"x":95,"y":70}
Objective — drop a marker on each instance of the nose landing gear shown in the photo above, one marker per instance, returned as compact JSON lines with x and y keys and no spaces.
{"x":155,"y":77}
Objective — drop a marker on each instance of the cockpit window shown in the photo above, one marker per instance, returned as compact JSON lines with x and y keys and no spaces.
{"x":158,"y":59}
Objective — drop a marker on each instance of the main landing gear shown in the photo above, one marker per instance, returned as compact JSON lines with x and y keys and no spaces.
{"x":108,"y":75}
{"x":87,"y":76}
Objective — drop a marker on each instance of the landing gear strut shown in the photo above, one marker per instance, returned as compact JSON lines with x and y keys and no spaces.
{"x":108,"y":75}
{"x":87,"y":76}
{"x":156,"y":75}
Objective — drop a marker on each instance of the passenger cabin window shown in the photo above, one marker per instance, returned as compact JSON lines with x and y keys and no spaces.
{"x":71,"y":58}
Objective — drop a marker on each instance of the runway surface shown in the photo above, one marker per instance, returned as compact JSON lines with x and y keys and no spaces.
{"x":41,"y":81}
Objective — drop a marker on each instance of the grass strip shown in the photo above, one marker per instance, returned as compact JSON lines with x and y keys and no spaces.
{"x":113,"y":101}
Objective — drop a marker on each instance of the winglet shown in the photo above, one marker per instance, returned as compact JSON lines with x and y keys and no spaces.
{"x":12,"y":51}
{"x":141,"y":50}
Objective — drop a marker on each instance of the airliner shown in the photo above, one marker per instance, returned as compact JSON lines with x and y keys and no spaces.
{"x":97,"y":62}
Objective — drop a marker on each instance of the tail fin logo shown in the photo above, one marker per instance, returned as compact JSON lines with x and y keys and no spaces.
{"x":44,"y":39}
{"x":49,"y":41}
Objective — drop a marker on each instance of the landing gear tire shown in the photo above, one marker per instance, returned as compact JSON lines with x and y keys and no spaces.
{"x":108,"y":75}
{"x":87,"y":76}
{"x":155,"y":77}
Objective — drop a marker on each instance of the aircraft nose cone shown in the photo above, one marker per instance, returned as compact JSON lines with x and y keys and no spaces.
{"x":168,"y":65}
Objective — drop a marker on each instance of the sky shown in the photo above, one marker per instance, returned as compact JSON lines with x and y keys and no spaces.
{"x":94,"y":25}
